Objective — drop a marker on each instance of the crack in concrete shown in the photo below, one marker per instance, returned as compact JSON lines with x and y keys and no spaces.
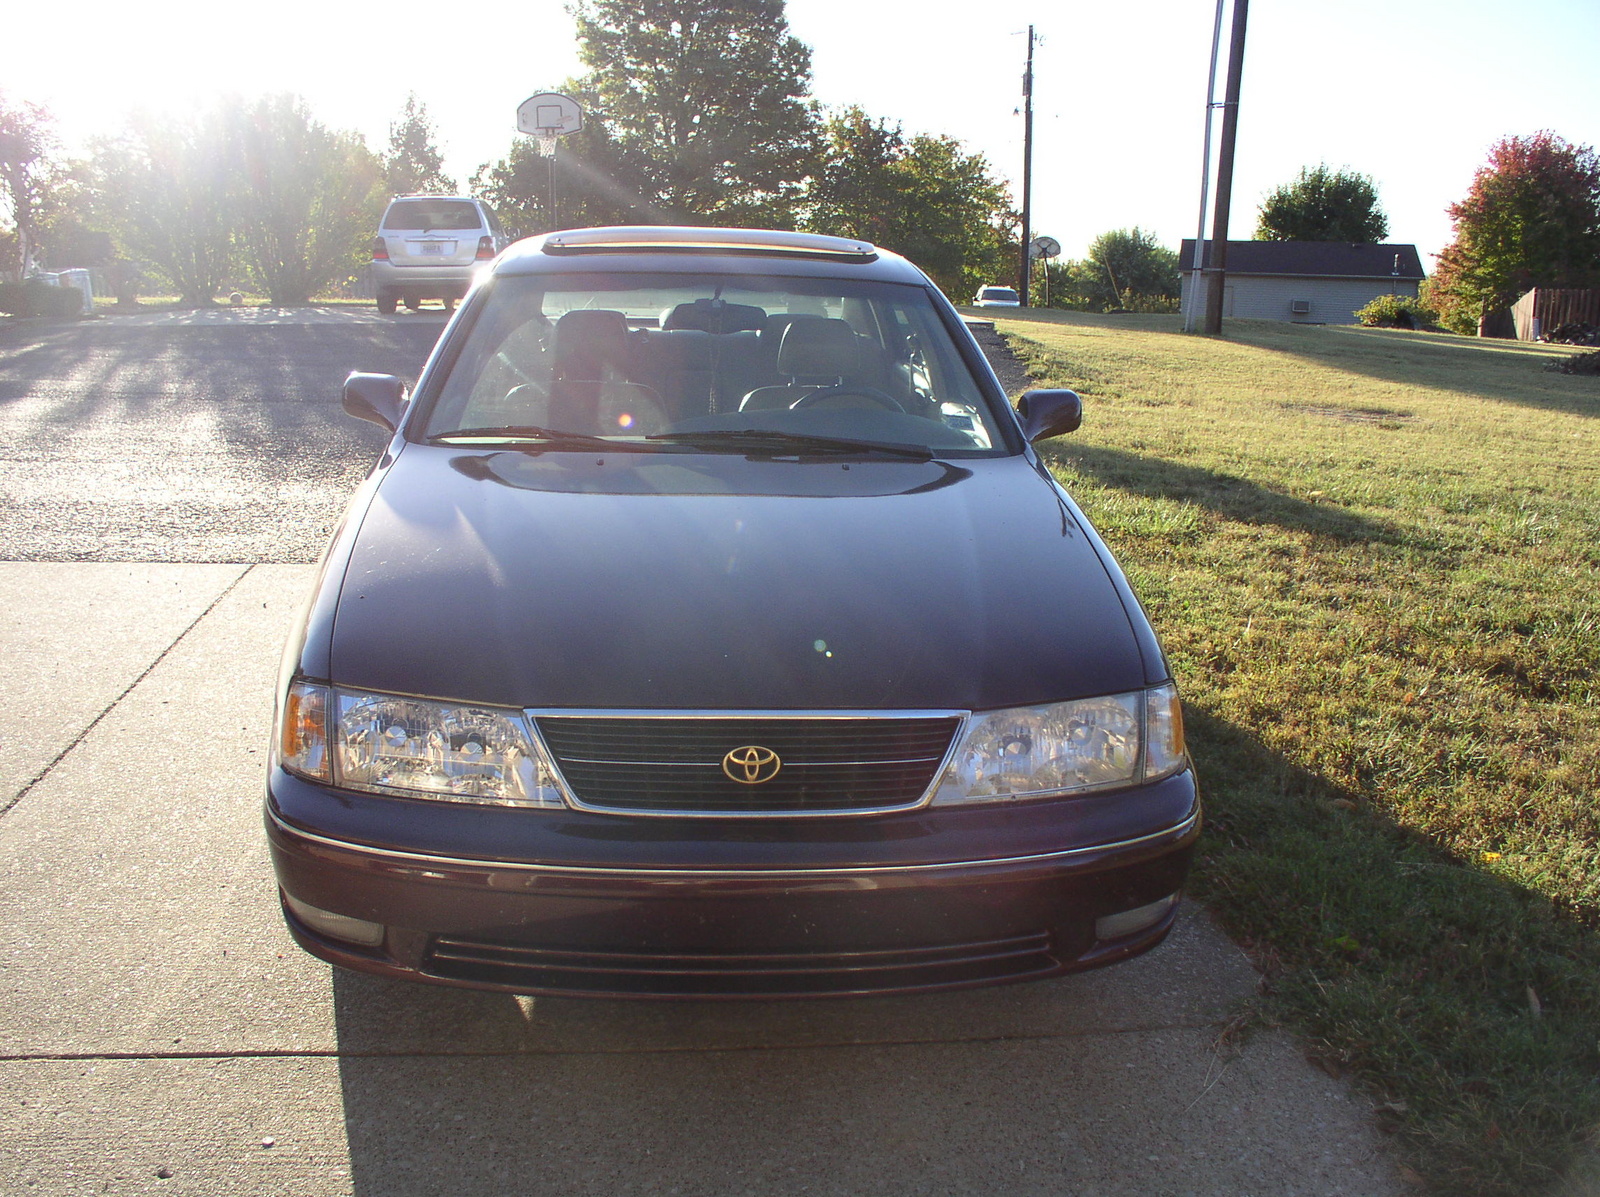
{"x":83,"y":735}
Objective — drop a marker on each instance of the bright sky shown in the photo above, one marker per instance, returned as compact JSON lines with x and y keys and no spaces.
{"x":1411,"y":92}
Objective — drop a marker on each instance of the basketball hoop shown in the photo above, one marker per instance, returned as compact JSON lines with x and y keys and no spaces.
{"x":548,"y":116}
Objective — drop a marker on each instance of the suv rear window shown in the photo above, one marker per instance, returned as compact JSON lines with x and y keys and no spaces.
{"x":432,"y":214}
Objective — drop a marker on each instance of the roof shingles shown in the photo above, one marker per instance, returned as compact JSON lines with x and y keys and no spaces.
{"x":1314,"y":259}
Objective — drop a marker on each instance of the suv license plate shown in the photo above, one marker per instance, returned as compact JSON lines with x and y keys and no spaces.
{"x":432,"y":248}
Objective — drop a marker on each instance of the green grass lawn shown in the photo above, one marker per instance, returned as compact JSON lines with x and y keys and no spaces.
{"x":1374,"y":560}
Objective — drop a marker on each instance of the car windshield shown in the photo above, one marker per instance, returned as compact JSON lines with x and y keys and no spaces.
{"x":711,"y":362}
{"x":453,"y":215}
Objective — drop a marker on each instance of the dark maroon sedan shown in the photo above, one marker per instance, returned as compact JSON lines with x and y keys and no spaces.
{"x":710,"y":628}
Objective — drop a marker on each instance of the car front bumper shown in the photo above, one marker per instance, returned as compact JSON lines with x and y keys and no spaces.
{"x":865,"y":906}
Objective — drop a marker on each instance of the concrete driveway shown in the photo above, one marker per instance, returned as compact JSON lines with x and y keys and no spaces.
{"x":162,"y":1034}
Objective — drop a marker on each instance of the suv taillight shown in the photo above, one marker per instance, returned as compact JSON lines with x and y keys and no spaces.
{"x":485,"y":248}
{"x":380,"y":250}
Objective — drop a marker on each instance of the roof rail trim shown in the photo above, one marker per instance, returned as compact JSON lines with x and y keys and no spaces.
{"x":678,"y":239}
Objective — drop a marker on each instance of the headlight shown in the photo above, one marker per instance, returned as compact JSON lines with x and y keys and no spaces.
{"x":414,"y":747}
{"x":1067,"y":748}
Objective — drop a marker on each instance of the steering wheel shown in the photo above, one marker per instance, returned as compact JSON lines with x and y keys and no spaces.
{"x":873,"y":394}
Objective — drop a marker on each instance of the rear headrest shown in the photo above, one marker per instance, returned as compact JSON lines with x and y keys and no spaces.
{"x":588,"y":340}
{"x":715,"y":316}
{"x":679,"y":349}
{"x":816,"y":345}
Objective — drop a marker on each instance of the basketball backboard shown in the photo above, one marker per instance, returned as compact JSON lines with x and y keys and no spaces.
{"x":549,"y":114}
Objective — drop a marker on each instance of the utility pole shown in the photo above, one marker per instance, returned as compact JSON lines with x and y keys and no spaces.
{"x":1191,"y":309}
{"x":1217,"y":272}
{"x":1026,"y":268}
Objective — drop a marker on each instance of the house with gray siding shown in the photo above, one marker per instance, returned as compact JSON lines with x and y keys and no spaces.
{"x":1306,"y":282}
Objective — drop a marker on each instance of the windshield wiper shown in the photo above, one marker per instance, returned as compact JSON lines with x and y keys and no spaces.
{"x":535,"y":432}
{"x":789,"y":442}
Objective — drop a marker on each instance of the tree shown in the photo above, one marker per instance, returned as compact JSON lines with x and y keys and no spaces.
{"x":1531,"y":218}
{"x":1323,"y":205}
{"x":310,"y":197}
{"x":27,"y":173}
{"x":926,"y":198}
{"x":1125,"y":268}
{"x":518,"y":185}
{"x":75,"y":233}
{"x":413,"y":162}
{"x":704,"y":103}
{"x":858,"y":189}
{"x":170,"y":188}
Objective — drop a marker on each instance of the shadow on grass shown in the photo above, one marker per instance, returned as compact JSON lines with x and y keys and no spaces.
{"x":1465,"y":999}
{"x":1228,"y":496}
{"x":1501,"y":371}
{"x":1496,"y":370}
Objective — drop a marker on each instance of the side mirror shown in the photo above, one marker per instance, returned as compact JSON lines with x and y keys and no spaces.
{"x":1049,"y":413}
{"x":380,"y":398}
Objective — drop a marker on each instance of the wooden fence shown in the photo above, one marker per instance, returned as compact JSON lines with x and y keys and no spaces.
{"x":1547,"y":308}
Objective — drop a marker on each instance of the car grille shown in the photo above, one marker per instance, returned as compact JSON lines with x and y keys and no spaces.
{"x":674,"y":764}
{"x":528,"y":969}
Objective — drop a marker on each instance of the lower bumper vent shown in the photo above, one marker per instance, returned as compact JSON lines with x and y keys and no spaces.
{"x":530,"y":969}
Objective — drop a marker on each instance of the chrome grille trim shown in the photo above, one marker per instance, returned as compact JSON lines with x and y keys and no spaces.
{"x":428,"y":860}
{"x":570,"y":794}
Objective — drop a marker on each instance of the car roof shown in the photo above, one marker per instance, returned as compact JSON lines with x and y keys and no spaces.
{"x":428,"y":195}
{"x":685,"y":249}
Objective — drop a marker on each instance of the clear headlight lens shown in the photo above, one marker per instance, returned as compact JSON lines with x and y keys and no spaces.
{"x":1066,"y":747}
{"x":416,"y":747}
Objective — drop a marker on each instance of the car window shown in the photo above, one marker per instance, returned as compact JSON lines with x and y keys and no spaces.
{"x":628,"y":357}
{"x":452,"y":215}
{"x":999,"y":293}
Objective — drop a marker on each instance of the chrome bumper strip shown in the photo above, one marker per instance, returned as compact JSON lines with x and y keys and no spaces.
{"x":1177,"y":831}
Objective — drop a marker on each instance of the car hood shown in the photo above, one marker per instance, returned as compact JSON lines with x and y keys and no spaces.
{"x":699,"y":581}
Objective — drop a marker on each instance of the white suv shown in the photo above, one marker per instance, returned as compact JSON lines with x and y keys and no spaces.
{"x":428,"y":247}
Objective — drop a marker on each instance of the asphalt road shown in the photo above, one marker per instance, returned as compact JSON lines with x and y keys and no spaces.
{"x":171,"y":441}
{"x":161,"y":485}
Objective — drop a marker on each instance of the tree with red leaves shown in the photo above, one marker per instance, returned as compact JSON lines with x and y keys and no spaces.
{"x":1531,"y":219}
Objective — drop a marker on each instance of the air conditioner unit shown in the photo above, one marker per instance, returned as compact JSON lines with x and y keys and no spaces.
{"x":1300,"y":307}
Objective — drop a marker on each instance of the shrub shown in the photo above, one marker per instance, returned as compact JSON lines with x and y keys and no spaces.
{"x":33,"y":297}
{"x":1578,"y":363}
{"x":1573,"y":332}
{"x":1397,"y":311}
{"x":1151,"y":304}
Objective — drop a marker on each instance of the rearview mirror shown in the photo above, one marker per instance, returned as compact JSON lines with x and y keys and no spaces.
{"x":1049,"y":413}
{"x":380,"y":398}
